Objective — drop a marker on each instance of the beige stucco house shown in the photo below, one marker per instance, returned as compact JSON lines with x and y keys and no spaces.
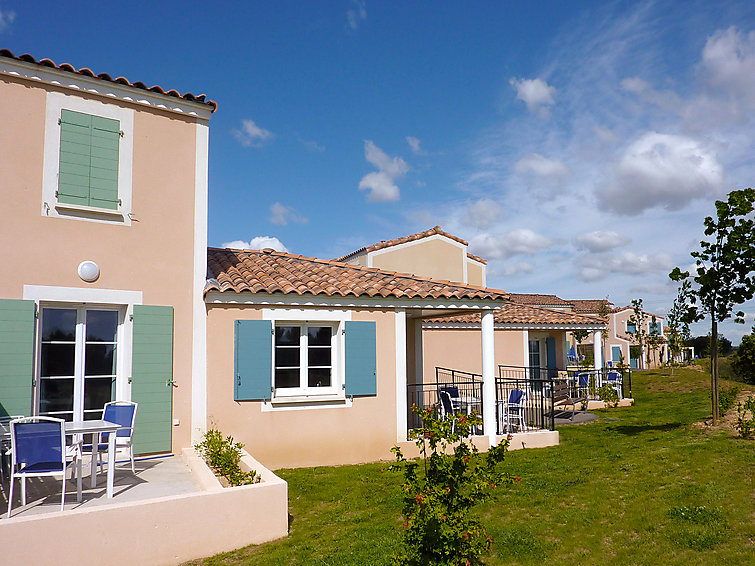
{"x":90,"y":311}
{"x":309,"y":360}
{"x":619,"y":341}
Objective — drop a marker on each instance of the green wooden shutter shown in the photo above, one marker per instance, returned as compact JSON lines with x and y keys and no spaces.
{"x":16,"y":356}
{"x":253,"y":360}
{"x":361,"y":360}
{"x":88,"y":160}
{"x":103,"y":170}
{"x":152,"y":378}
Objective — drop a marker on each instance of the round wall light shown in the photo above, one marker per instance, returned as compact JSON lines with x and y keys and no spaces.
{"x":89,"y":271}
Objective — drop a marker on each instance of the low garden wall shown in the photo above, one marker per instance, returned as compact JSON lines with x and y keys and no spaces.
{"x":167,"y":530}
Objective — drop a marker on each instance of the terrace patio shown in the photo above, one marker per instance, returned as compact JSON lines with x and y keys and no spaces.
{"x":173,"y":506}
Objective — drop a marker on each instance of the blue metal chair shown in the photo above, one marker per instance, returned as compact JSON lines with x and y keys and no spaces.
{"x":513,"y":410}
{"x":124,"y":414}
{"x":447,"y":407}
{"x":613,"y":378}
{"x":38,"y":448}
{"x":583,"y":383}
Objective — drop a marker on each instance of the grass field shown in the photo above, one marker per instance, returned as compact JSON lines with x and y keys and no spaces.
{"x":639,"y":486}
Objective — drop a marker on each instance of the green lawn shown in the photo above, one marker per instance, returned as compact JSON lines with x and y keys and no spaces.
{"x":640,"y":486}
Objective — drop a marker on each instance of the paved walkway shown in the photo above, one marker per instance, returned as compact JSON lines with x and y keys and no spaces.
{"x":580,"y":417}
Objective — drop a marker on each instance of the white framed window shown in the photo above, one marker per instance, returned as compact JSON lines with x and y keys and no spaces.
{"x":88,"y":159}
{"x":78,"y":359}
{"x":631,"y":328}
{"x":306,"y":359}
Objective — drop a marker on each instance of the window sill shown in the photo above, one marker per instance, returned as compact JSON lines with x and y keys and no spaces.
{"x":306,"y":402}
{"x":93,"y":210}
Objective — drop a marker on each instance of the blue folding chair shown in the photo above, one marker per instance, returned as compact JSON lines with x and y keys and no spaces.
{"x":613,"y":378}
{"x":453,"y":393}
{"x":447,"y":408}
{"x":124,"y":414}
{"x":583,"y":383}
{"x":38,"y":448}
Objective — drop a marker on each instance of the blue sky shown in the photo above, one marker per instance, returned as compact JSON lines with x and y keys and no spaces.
{"x":576,"y":145}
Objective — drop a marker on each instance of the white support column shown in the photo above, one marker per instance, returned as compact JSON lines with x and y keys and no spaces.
{"x":401,"y":408}
{"x":597,"y":348}
{"x":419,"y":357}
{"x":488,"y":376}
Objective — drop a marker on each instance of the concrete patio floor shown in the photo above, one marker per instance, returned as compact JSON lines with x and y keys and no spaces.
{"x":155,"y":477}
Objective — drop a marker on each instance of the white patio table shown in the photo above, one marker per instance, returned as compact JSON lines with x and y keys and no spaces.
{"x":95,"y":427}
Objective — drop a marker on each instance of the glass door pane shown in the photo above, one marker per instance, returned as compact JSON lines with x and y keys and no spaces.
{"x":101,"y":333}
{"x":57,"y":362}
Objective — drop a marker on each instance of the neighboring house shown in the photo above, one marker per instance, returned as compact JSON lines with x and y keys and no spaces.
{"x":526,"y":337}
{"x":533,"y":327}
{"x":432,"y":253}
{"x":104,"y":220}
{"x":309,"y":359}
{"x":620,"y":342}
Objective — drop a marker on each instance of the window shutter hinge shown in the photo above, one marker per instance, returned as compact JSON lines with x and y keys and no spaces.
{"x":131,"y":379}
{"x":56,"y":194}
{"x":121,"y":133}
{"x":272,"y":331}
{"x":33,"y":381}
{"x":60,"y":121}
{"x":343,"y":331}
{"x":131,"y":317}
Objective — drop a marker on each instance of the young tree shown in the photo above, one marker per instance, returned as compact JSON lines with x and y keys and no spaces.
{"x":640,"y":335}
{"x":678,"y":329}
{"x":724,"y":271}
{"x":654,"y":341}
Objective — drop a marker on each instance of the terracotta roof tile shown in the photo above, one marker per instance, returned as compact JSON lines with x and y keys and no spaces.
{"x":67,"y":67}
{"x":477,"y":258}
{"x":512,"y":313}
{"x":590,"y":306}
{"x":535,"y":299}
{"x":267,"y":271}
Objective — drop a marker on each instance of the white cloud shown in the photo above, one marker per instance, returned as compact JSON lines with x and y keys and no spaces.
{"x":598,"y":241}
{"x":600,"y":266}
{"x":381,"y":184}
{"x":7,"y":17}
{"x":535,"y":93}
{"x":282,"y":215}
{"x":539,"y":166}
{"x":257,"y":243}
{"x":482,"y":213}
{"x":511,"y":269}
{"x":728,"y":61}
{"x":415,"y":145}
{"x":502,"y":246}
{"x":313,"y":146}
{"x":250,"y":134}
{"x":356,"y":15}
{"x":661,"y":170}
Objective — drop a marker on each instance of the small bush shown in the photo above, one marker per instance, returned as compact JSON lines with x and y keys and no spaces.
{"x":608,"y":394}
{"x":223,"y":457}
{"x":726,"y":398}
{"x":746,"y":426}
{"x":439,"y":493}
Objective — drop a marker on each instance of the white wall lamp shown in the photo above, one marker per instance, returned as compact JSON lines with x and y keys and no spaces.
{"x":89,"y":271}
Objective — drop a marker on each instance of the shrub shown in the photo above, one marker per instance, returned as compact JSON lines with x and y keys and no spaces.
{"x":726,"y":398}
{"x":746,"y":426}
{"x":608,"y":394}
{"x":744,"y":360}
{"x":223,"y":456}
{"x":441,"y":489}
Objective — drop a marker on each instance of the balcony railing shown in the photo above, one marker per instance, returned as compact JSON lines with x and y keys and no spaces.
{"x":524,"y":399}
{"x":424,"y":395}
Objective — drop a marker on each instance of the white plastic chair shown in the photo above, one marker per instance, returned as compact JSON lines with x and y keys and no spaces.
{"x":38,"y":449}
{"x":124,"y":414}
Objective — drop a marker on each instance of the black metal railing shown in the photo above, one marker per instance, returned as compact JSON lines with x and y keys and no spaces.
{"x":524,"y":398}
{"x":424,"y":395}
{"x":588,"y":381}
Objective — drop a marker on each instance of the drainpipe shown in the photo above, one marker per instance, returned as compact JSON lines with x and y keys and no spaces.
{"x":488,"y":376}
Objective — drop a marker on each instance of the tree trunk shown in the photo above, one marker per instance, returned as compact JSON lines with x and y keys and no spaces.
{"x":714,"y":367}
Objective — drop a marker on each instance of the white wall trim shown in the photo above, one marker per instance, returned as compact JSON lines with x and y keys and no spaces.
{"x":401,"y":402}
{"x":231,"y":297}
{"x":56,"y":102}
{"x":199,"y":309}
{"x":501,"y":326}
{"x":91,"y":85}
{"x":306,"y":315}
{"x":82,"y":295}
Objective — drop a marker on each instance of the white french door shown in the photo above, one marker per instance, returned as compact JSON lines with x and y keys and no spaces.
{"x":78,"y":360}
